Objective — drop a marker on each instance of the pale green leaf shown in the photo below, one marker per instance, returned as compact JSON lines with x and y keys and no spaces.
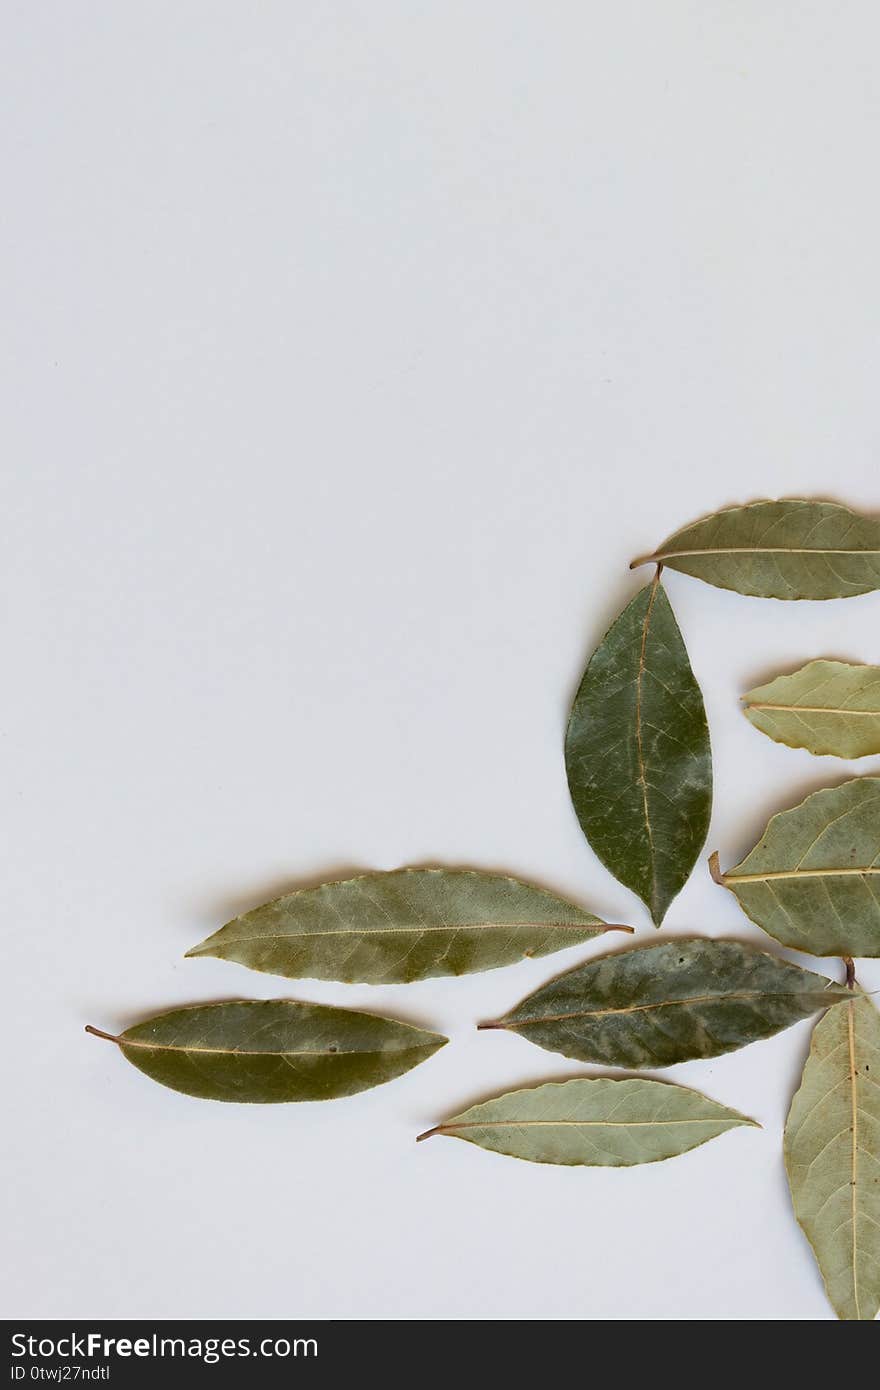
{"x":596,"y":1122}
{"x":832,"y":1156}
{"x":387,"y":928}
{"x":813,"y":879}
{"x":826,"y":707}
{"x":789,"y":549}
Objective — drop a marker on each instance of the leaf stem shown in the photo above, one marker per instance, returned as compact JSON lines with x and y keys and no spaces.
{"x":850,"y":972}
{"x":438,"y":1129}
{"x":715,"y":869}
{"x":99,"y":1033}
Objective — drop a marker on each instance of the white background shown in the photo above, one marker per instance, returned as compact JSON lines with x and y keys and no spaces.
{"x":350,"y":353}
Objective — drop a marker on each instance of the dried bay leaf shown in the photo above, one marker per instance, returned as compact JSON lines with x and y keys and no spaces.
{"x":813,"y":880}
{"x":826,"y":707}
{"x":275,"y":1050}
{"x":387,"y":928}
{"x":667,"y":1003}
{"x":637,"y":753}
{"x":832,"y":1155}
{"x":793,"y":548}
{"x":596,"y":1122}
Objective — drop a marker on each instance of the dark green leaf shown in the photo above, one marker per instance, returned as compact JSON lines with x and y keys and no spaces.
{"x":813,"y":880}
{"x":790,"y":549}
{"x":597,"y":1122}
{"x":407,"y":925}
{"x":656,"y":1005}
{"x":832,"y":1156}
{"x":274,"y":1050}
{"x":825,"y":707}
{"x":637,"y":753}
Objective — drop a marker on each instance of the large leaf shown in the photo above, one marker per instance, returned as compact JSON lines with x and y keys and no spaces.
{"x":387,"y":928}
{"x":637,"y":753}
{"x":668,"y":1003}
{"x":601,"y":1122}
{"x":832,"y":1156}
{"x":788,"y":549}
{"x":813,"y":879}
{"x":825,"y":707}
{"x":274,"y":1050}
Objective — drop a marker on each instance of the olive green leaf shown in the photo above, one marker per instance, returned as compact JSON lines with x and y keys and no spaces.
{"x":272,"y":1050}
{"x":813,"y":880}
{"x":387,"y":928}
{"x":656,"y":1005}
{"x":637,"y":753}
{"x":825,"y":707}
{"x":790,"y":549}
{"x":832,"y":1156}
{"x":597,"y":1122}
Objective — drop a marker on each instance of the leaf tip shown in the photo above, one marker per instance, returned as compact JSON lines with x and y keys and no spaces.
{"x":198,"y":950}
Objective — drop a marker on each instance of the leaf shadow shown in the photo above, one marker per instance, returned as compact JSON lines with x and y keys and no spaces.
{"x":745,"y":830}
{"x":234,"y":904}
{"x":596,"y":623}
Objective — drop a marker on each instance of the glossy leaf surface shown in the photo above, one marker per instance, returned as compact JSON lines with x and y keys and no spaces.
{"x":275,"y":1050}
{"x":600,"y":1122}
{"x":410,"y":924}
{"x":672,"y":1002}
{"x":638,"y":756}
{"x":788,"y":549}
{"x":832,"y":1156}
{"x":826,"y":707}
{"x":813,"y":880}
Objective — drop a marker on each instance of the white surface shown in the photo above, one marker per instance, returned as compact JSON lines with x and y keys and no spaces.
{"x":351,"y":352}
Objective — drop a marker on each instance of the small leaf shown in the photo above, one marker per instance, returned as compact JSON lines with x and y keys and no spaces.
{"x":825,"y":707}
{"x":813,"y":880}
{"x":790,"y":549}
{"x":657,"y":1005}
{"x":597,"y":1122}
{"x":637,"y":753}
{"x":274,"y":1050}
{"x":832,"y":1156}
{"x":388,"y":928}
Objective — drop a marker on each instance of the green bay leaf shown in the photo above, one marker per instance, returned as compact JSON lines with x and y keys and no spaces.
{"x":410,"y":924}
{"x":595,"y":1122}
{"x":265,"y":1051}
{"x":827,"y":707}
{"x":813,"y":880}
{"x":794,"y":548}
{"x":637,"y":753}
{"x":672,"y":1002}
{"x":832,"y":1156}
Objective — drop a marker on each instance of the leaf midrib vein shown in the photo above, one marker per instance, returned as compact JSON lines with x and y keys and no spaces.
{"x":800,"y":873}
{"x":811,"y":709}
{"x":415,"y":930}
{"x":664,"y":1004}
{"x":640,"y":754}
